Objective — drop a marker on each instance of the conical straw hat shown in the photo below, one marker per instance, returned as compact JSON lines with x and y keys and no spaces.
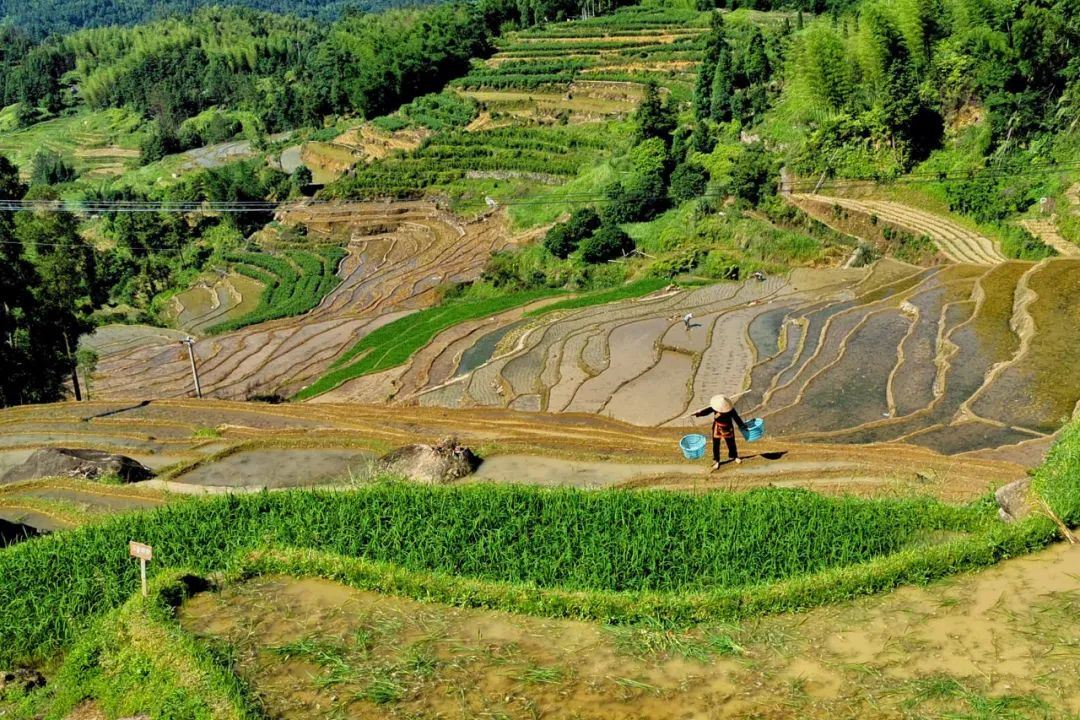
{"x":720,"y":403}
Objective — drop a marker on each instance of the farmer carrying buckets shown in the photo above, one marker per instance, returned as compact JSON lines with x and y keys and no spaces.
{"x":724,"y":421}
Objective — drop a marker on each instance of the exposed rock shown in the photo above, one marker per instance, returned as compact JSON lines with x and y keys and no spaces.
{"x":431,"y":464}
{"x":21,"y":680}
{"x":1013,"y":501}
{"x":84,"y":464}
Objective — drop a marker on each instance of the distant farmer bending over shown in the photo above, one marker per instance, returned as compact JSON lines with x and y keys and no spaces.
{"x":724,"y":421}
{"x":687,"y":318}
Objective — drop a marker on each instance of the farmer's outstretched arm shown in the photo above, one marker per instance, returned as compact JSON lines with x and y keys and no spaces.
{"x":703,"y":412}
{"x":738,"y":420}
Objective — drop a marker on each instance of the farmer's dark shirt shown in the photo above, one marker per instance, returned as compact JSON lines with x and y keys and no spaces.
{"x":722,"y":423}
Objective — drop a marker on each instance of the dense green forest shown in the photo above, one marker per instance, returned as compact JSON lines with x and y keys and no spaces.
{"x":282,"y":72}
{"x":41,"y":18}
{"x":44,"y":297}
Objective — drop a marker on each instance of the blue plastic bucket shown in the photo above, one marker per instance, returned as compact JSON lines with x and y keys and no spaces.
{"x":693,"y":446}
{"x":755,"y":429}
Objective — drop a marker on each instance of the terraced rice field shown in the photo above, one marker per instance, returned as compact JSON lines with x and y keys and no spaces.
{"x":897,"y":655}
{"x":213,"y":446}
{"x":551,"y":104}
{"x":398,"y":254}
{"x":958,"y":358}
{"x":97,"y":144}
{"x":955,"y":242}
{"x":587,"y":71}
{"x":1047,"y":231}
{"x":214,"y":299}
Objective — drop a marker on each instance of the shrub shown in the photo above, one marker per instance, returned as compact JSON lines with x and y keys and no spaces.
{"x":681,"y":262}
{"x":511,"y":271}
{"x":639,"y":199}
{"x":753,"y":177}
{"x":1018,"y":243}
{"x":608,"y":243}
{"x":564,"y":238}
{"x":909,"y":248}
{"x":688,"y":181}
{"x":989,"y":198}
{"x":156,"y":144}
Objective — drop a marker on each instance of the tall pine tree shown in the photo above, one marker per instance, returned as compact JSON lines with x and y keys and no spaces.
{"x":715,"y":46}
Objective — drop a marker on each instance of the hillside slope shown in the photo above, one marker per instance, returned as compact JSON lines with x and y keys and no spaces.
{"x":958,"y":358}
{"x":398,"y":255}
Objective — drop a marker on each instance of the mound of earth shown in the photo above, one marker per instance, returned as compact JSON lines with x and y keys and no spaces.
{"x":432,"y":464}
{"x":85,"y":464}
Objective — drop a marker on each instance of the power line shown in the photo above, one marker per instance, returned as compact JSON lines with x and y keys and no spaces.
{"x":264,"y":206}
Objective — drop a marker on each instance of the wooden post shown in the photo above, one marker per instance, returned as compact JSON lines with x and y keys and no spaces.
{"x":190,"y":343}
{"x":144,"y":553}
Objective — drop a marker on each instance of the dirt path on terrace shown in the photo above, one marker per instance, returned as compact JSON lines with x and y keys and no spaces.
{"x":999,"y":644}
{"x":544,"y":448}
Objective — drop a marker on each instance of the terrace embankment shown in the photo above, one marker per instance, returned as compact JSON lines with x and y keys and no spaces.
{"x":1002,"y":638}
{"x":955,"y":242}
{"x":213,"y":446}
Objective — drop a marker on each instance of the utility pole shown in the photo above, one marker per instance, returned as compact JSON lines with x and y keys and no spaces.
{"x":190,"y":342}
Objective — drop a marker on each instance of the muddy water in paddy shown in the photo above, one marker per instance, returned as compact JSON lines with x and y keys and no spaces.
{"x":982,"y":338}
{"x":852,"y":390}
{"x":1001,"y":643}
{"x":764,"y":372}
{"x":483,"y":349}
{"x":964,"y":436}
{"x":817,"y":320}
{"x":32,"y":518}
{"x":1037,"y":392}
{"x":536,"y":470}
{"x":92,"y":501}
{"x":657,"y":395}
{"x":280,"y":468}
{"x":913,"y":383}
{"x":631,"y":353}
{"x":764,"y":331}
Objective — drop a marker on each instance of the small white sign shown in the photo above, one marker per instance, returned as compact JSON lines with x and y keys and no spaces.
{"x":138,"y":550}
{"x":144,"y":553}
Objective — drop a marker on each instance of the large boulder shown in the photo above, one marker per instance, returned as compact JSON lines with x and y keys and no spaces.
{"x":84,"y":464}
{"x":1014,"y":500}
{"x":431,"y":464}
